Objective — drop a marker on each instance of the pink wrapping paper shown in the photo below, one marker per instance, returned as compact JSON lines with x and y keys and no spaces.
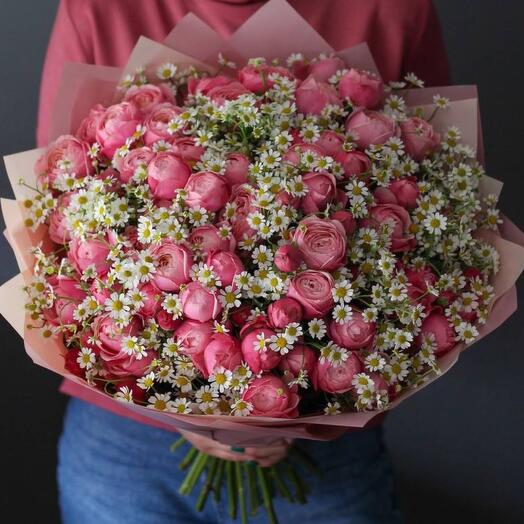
{"x":196,"y":44}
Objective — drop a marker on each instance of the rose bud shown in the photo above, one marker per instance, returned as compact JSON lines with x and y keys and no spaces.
{"x":151,"y":298}
{"x":92,"y":251}
{"x":146,"y":96}
{"x":86,"y":132}
{"x":71,"y":363}
{"x":208,"y":190}
{"x":312,"y":97}
{"x":221,"y":94}
{"x":355,"y":333}
{"x":323,"y":69}
{"x":284,"y":311}
{"x":138,"y":393}
{"x":437,"y":324}
{"x":299,"y":358}
{"x":127,"y":165}
{"x":186,"y":149}
{"x":285,"y":199}
{"x":293,"y":154}
{"x":118,"y":123}
{"x":383,"y":195}
{"x":193,"y":336}
{"x":259,"y":359}
{"x":257,"y":322}
{"x":110,"y":340}
{"x":242,"y":197}
{"x":322,"y":243}
{"x":199,"y":303}
{"x":371,"y":127}
{"x":312,"y":289}
{"x":166,"y":173}
{"x":354,"y":163}
{"x":419,"y":137}
{"x":157,"y":123}
{"x":346,"y":219}
{"x":225,"y":265}
{"x":237,"y":166}
{"x":207,"y":239}
{"x":287,"y":258}
{"x":166,"y":321}
{"x":363,"y":89}
{"x":256,"y":78}
{"x":101,"y":290}
{"x":271,"y":397}
{"x":68,"y":294}
{"x":173,"y":265}
{"x":322,"y":189}
{"x":341,"y":198}
{"x":330,"y":143}
{"x":418,"y":282}
{"x":239,"y":316}
{"x":336,"y":379}
{"x":65,"y":149}
{"x":223,"y":350}
{"x":204,"y":85}
{"x":401,"y":238}
{"x":59,"y":229}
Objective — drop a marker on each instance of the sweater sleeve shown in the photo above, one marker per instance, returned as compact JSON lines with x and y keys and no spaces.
{"x":426,"y":54}
{"x":67,"y":44}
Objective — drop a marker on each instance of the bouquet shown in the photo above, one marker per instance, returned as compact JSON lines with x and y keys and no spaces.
{"x":260,"y":248}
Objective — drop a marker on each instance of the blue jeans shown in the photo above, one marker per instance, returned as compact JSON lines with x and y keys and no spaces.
{"x":113,"y":470}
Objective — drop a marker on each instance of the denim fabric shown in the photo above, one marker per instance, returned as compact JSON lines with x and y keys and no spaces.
{"x":113,"y":470}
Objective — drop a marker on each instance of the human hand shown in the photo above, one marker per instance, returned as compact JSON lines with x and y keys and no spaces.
{"x":264,"y":456}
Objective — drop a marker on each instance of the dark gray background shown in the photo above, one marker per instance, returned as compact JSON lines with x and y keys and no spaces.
{"x":457,"y":446}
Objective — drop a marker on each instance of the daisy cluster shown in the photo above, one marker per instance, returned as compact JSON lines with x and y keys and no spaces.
{"x":273,"y":240}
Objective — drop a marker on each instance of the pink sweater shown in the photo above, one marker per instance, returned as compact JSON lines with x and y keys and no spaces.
{"x":404,"y":36}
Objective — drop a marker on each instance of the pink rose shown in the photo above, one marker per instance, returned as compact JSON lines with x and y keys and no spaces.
{"x":259,"y":359}
{"x":437,"y":325}
{"x":293,"y":154}
{"x":152,"y":299}
{"x":207,"y":239}
{"x":371,"y":127}
{"x":363,"y":89}
{"x":256,"y":78}
{"x":330,"y":143}
{"x":312,"y":96}
{"x":336,"y":379}
{"x":322,"y":70}
{"x":166,"y":173}
{"x":299,"y":358}
{"x":69,"y":294}
{"x":419,"y":137}
{"x":66,"y":154}
{"x":237,"y":166}
{"x":322,"y":243}
{"x":92,"y":251}
{"x":166,"y":321}
{"x":208,"y":190}
{"x":401,"y":237}
{"x":199,"y":302}
{"x":354,"y":163}
{"x":223,"y":350}
{"x":59,"y":229}
{"x":147,"y":96}
{"x":117,"y":124}
{"x":193,"y":337}
{"x":221,"y":94}
{"x":355,"y":333}
{"x":86,"y":132}
{"x":322,"y":189}
{"x":284,"y":311}
{"x":110,"y":339}
{"x":173,"y":265}
{"x":242,"y":197}
{"x":406,"y":191}
{"x":127,"y":165}
{"x":346,"y":219}
{"x":312,"y":289}
{"x":418,"y":281}
{"x":287,"y":258}
{"x":271,"y":397}
{"x":225,"y":265}
{"x":186,"y":148}
{"x":157,"y":122}
{"x":204,"y":85}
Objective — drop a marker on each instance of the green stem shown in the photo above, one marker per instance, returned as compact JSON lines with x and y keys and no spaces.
{"x":194,"y":473}
{"x":231,"y":493}
{"x":217,"y":483}
{"x":254,"y":498}
{"x":268,"y":502}
{"x":211,"y":472}
{"x":177,"y":444}
{"x":299,"y":491}
{"x":280,"y":484}
{"x":305,"y":459}
{"x":188,"y":458}
{"x":241,"y":492}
